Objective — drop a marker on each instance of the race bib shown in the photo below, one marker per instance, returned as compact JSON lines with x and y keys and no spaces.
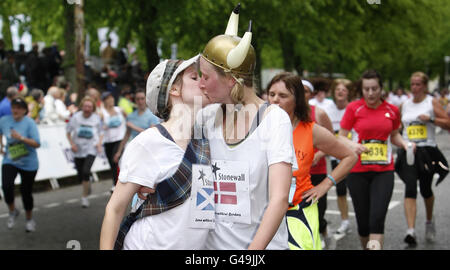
{"x":417,"y":131}
{"x":201,"y":212}
{"x":85,"y":132}
{"x":114,"y":122}
{"x":378,"y":152}
{"x":232,"y":191}
{"x":17,"y":150}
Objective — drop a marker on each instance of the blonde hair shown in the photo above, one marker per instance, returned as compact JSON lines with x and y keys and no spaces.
{"x":347,"y":84}
{"x":237,"y":92}
{"x":88,"y":98}
{"x":422,"y":76}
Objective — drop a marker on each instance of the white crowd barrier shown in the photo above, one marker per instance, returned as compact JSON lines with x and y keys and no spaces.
{"x":56,"y":158}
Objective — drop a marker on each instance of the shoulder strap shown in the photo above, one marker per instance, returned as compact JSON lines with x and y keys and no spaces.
{"x":164,"y":132}
{"x":257,"y":120}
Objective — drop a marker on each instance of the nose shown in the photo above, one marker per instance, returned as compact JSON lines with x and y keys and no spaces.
{"x":274,"y":100}
{"x":201,"y":83}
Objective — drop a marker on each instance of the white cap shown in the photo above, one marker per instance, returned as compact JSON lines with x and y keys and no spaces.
{"x":160,"y":81}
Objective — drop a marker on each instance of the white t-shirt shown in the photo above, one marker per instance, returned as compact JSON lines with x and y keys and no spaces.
{"x":55,"y":111}
{"x":241,"y":181}
{"x":325,"y":105}
{"x":397,"y":100}
{"x":114,"y":125}
{"x":85,"y":133}
{"x":422,"y":133}
{"x":149,"y":159}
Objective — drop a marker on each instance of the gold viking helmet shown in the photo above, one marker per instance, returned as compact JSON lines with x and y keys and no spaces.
{"x":230,"y":52}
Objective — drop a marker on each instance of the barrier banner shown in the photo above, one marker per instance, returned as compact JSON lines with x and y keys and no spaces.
{"x":55,"y":156}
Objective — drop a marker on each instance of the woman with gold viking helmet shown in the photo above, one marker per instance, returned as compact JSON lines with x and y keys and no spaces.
{"x":252,"y":155}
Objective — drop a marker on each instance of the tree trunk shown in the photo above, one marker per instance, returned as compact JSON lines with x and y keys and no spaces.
{"x":69,"y":58}
{"x":146,"y":17}
{"x":7,"y":37}
{"x":79,"y":49}
{"x":287,"y":48}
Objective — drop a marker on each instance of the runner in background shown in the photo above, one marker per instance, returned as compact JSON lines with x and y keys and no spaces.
{"x":138,"y":121}
{"x":420,"y":117}
{"x":287,"y":91}
{"x":85,"y":136}
{"x":20,"y":157}
{"x":114,"y":128}
{"x":319,"y":165}
{"x":371,"y":182}
{"x":341,"y":94}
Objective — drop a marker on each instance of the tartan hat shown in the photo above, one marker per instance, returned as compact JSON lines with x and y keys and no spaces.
{"x":160,"y":81}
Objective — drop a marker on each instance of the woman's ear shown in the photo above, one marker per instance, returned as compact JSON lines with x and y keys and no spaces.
{"x":175,"y":91}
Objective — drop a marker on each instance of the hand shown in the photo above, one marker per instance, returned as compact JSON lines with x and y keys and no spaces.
{"x":316,"y":159}
{"x":424,"y":117}
{"x":74,"y":148}
{"x":144,"y":191}
{"x":318,"y":191}
{"x":99,"y":148}
{"x":16,"y":135}
{"x":360,"y":149}
{"x":116,"y":157}
{"x":405,"y":146}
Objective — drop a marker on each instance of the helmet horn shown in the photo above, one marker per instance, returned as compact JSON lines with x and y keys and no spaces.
{"x":233,"y":22}
{"x":237,"y":55}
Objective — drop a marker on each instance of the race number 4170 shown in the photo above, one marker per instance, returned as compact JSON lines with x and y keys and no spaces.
{"x":376,"y":2}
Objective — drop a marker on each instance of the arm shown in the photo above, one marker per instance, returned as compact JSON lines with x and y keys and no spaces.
{"x":134,"y":127}
{"x":122,"y":146}
{"x":398,"y":140}
{"x":1,"y":144}
{"x":441,"y":118}
{"x":73,"y":146}
{"x":25,"y":140}
{"x":323,"y":120}
{"x":356,"y":147}
{"x":331,"y":145}
{"x":114,"y":212}
{"x":280,"y":175}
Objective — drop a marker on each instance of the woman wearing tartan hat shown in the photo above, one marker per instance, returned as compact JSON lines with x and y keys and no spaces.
{"x":160,"y":153}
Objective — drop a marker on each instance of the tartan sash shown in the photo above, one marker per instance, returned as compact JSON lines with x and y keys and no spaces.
{"x":172,"y":191}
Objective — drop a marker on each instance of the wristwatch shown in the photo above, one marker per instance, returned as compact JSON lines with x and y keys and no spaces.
{"x":431,"y":120}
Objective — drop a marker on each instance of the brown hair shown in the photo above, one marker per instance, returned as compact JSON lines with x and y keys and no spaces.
{"x":294,"y":84}
{"x":367,"y":75}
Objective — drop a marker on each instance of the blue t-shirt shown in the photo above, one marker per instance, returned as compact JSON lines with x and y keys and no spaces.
{"x":18,"y":153}
{"x":144,"y":121}
{"x":5,"y":107}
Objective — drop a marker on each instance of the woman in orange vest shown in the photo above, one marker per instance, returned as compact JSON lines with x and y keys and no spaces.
{"x":286,"y":90}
